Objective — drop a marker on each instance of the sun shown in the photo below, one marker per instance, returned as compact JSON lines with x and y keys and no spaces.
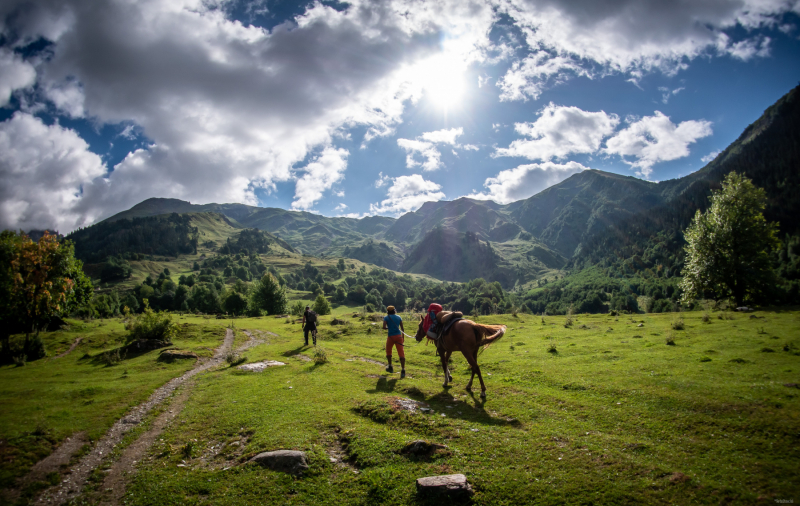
{"x":442,"y":80}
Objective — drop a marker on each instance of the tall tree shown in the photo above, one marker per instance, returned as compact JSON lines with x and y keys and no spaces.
{"x":727,"y":251}
{"x":268,"y":295}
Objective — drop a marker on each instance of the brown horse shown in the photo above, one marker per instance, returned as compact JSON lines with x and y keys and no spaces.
{"x":468,"y":337}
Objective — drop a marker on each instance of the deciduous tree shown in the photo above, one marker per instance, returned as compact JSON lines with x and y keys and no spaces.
{"x":727,"y":251}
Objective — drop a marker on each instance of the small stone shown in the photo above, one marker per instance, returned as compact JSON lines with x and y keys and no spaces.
{"x":287,"y":461}
{"x":640,"y":325}
{"x":450,"y":484}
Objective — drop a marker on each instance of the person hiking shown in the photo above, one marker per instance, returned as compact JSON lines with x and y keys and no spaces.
{"x":394,"y":324}
{"x":309,"y":324}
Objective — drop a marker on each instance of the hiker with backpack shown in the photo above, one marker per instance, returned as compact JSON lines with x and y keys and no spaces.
{"x":309,"y":324}
{"x":394,"y":324}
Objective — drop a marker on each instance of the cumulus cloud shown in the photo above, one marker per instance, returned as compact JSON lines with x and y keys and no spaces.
{"x":425,"y":147}
{"x":230,"y":107}
{"x":576,"y":37}
{"x":710,"y":156}
{"x":43,"y":169}
{"x":407,"y":193}
{"x":561,"y":131}
{"x":327,"y":169}
{"x":524,"y":181}
{"x":15,"y":74}
{"x":654,"y":139}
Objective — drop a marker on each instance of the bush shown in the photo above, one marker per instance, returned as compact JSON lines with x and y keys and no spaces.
{"x":670,"y":339}
{"x":706,"y":317}
{"x":233,"y":359}
{"x":552,"y":349}
{"x":320,"y":356}
{"x":152,"y":325}
{"x":678,"y":324}
{"x":321,"y":305}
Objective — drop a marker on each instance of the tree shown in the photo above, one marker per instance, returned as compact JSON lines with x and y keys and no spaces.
{"x":46,"y":280}
{"x":235,"y":303}
{"x":727,"y":250}
{"x":268,"y":295}
{"x":321,"y":305}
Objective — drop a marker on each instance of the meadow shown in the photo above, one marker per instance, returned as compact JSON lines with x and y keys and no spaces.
{"x":674,"y":408}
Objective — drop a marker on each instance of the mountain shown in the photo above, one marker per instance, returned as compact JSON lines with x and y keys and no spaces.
{"x":591,"y":218}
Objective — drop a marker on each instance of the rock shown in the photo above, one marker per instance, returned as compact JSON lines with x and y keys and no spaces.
{"x":176,"y":354}
{"x":286,"y":461}
{"x":260,"y":366}
{"x":421,"y":447}
{"x":744,"y":309}
{"x":449,"y":484}
{"x":337,"y":321}
{"x":640,"y":325}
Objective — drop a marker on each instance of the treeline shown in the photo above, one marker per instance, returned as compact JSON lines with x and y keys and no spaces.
{"x":128,"y":238}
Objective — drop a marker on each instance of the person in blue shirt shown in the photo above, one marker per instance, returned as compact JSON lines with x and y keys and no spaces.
{"x":394,"y":324}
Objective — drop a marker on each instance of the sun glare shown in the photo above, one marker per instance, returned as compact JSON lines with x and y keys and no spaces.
{"x":442,"y":79}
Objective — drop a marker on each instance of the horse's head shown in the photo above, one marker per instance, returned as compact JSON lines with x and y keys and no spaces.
{"x":420,"y":335}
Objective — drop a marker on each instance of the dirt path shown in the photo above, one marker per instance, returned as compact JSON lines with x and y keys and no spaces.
{"x":252,"y":341}
{"x":72,"y":486}
{"x":74,"y":345}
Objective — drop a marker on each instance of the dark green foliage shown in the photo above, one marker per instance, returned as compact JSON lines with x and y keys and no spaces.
{"x":235,"y":304}
{"x":152,"y":325}
{"x":115,"y":268}
{"x":267,"y":295}
{"x":249,"y":241}
{"x":158,"y":235}
{"x":378,"y":253}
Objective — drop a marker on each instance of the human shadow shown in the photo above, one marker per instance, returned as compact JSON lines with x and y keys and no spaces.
{"x":384,"y":384}
{"x":296,"y":351}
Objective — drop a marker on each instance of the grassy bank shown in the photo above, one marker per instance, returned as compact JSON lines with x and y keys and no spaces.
{"x":598,"y":409}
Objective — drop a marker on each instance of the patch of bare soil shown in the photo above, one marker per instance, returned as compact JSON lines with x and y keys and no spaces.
{"x":304,"y":358}
{"x":72,"y":486}
{"x":252,"y":341}
{"x":74,"y":345}
{"x":337,"y":452}
{"x":371,"y":361}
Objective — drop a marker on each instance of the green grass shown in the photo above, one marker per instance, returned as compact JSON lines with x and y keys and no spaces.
{"x":614,"y":415}
{"x":51,"y":398}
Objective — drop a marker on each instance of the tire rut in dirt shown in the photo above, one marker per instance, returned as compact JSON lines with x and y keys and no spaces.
{"x":72,"y":486}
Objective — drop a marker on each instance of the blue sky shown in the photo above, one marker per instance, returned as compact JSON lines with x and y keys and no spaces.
{"x":368,"y":107}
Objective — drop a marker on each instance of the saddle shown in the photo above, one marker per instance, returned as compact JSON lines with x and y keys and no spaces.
{"x":444,"y":320}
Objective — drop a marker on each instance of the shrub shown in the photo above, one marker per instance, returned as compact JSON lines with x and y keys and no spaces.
{"x":670,"y":339}
{"x":19,"y":360}
{"x":552,"y":349}
{"x":705,"y":359}
{"x":152,"y":325}
{"x":568,"y":322}
{"x":112,"y":357}
{"x":234,"y":359}
{"x":706,"y":317}
{"x":321,"y":305}
{"x":320,"y":356}
{"x":297,"y":308}
{"x":678,"y":324}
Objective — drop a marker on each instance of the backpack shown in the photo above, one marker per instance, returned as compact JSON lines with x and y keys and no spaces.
{"x":312,"y":317}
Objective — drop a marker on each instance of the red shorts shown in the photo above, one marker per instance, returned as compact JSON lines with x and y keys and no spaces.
{"x":395,"y":341}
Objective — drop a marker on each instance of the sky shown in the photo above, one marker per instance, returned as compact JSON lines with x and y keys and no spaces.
{"x":369,"y":107}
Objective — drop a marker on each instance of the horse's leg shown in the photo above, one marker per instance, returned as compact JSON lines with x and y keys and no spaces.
{"x":475,"y":356}
{"x":444,"y":356}
{"x":447,"y":361}
{"x":473,"y":362}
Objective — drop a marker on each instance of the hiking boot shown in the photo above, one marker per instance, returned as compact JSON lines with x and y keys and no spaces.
{"x":306,"y":344}
{"x":402,"y":374}
{"x":390,"y":369}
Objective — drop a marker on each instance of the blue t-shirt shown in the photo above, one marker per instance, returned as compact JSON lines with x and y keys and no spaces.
{"x":393,"y":322}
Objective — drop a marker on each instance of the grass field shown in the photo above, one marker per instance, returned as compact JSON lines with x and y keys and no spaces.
{"x":597,"y":410}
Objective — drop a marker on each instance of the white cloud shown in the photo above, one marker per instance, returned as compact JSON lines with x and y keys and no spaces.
{"x":43,"y":169}
{"x":327,"y":169}
{"x":710,"y":156}
{"x":561,"y":131}
{"x":339,"y":193}
{"x":445,"y":136}
{"x":341,"y":207}
{"x":666,"y":94}
{"x":67,"y":96}
{"x":382,"y":180}
{"x":587,"y":37}
{"x":231,"y":107}
{"x":526,"y":180}
{"x":654,"y":139}
{"x":425,"y":146}
{"x":15,"y":74}
{"x":407,"y":193}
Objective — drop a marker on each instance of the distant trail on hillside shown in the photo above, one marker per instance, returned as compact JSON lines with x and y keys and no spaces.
{"x":72,"y":485}
{"x":74,"y":345}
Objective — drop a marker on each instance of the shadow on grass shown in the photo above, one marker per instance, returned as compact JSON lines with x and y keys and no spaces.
{"x":384,"y":385}
{"x":296,"y":351}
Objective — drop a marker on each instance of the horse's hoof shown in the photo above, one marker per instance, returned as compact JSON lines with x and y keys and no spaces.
{"x":468,"y":388}
{"x":483,"y":395}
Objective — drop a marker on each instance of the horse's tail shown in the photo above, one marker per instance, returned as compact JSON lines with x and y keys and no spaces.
{"x":489,"y":333}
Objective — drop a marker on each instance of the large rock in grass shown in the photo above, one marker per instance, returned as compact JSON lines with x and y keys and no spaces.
{"x":449,"y":484}
{"x":286,"y":461}
{"x":168,"y":355}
